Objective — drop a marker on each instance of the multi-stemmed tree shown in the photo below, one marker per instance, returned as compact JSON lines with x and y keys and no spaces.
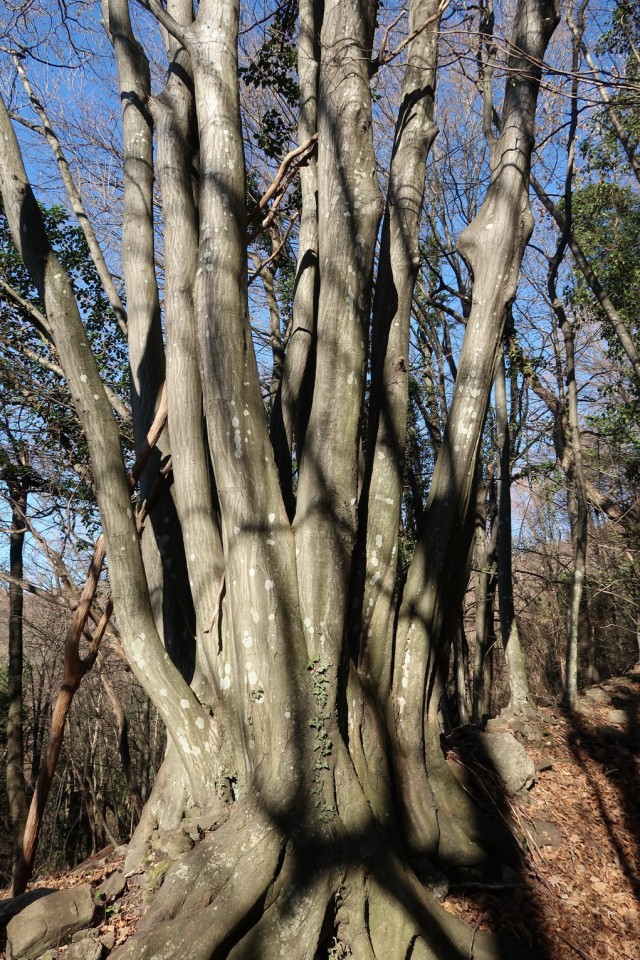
{"x":299,"y":676}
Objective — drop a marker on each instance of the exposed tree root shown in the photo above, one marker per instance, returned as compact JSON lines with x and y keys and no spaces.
{"x":248,"y":893}
{"x":211,"y":894}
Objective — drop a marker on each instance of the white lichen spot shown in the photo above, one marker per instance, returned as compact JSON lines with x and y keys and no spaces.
{"x":251,"y":744}
{"x":307,"y":622}
{"x":271,"y":616}
{"x":268,"y":585}
{"x":374,"y":559}
{"x":252,"y":571}
{"x":83,"y":378}
{"x":405,"y":669}
{"x":351,"y":378}
{"x":236,"y":530}
{"x":245,"y":413}
{"x":227,"y":668}
{"x":247,"y":639}
{"x":225,"y":683}
{"x":255,"y":616}
{"x":270,"y":542}
{"x":237,"y":440}
{"x":378,"y":541}
{"x":374,"y":579}
{"x":381,"y":455}
{"x":185,"y":704}
{"x":272,"y":517}
{"x":287,"y":715}
{"x":164,"y":692}
{"x":252,"y":677}
{"x":200,"y":723}
{"x":401,"y":705}
{"x":137,"y":650}
{"x":96,"y":397}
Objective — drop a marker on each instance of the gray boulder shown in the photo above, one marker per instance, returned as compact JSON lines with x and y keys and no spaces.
{"x":49,"y":922}
{"x":14,"y":905}
{"x":88,"y":949}
{"x":112,"y":887}
{"x":509,"y":760}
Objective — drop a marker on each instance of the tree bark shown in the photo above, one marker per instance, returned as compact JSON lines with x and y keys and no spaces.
{"x":520,"y":699}
{"x":493,"y":246}
{"x":16,"y":784}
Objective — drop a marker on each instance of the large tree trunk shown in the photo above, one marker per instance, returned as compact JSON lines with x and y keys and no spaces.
{"x":493,"y":245}
{"x":309,"y":724}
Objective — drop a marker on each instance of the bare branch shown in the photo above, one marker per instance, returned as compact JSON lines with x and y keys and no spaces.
{"x":276,"y":252}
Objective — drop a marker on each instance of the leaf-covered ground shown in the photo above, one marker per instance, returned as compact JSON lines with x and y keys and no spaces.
{"x":578,"y":894}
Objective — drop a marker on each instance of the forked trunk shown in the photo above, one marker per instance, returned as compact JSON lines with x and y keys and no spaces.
{"x":310,"y":724}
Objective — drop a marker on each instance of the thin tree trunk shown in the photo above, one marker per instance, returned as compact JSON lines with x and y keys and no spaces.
{"x":520,"y":694}
{"x":16,"y":785}
{"x":293,"y":401}
{"x":486,"y":582}
{"x":461,"y":671}
{"x":123,"y":744}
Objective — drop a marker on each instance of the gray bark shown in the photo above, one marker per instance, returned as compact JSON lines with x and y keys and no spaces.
{"x":15,"y":778}
{"x":191,"y":725}
{"x":293,"y":400}
{"x":520,"y":694}
{"x":493,"y":246}
{"x":162,"y":544}
{"x":486,"y":582}
{"x":397,"y":271}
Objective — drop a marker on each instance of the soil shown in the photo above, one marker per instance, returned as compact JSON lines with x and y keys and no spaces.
{"x":577,"y":893}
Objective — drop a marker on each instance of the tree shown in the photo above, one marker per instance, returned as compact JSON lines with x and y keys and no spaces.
{"x":311,"y":697}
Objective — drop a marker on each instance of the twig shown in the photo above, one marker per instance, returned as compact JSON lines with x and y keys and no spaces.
{"x":276,"y":252}
{"x":289,"y":167}
{"x":300,"y":153}
{"x":574,"y":947}
{"x":382,"y":59}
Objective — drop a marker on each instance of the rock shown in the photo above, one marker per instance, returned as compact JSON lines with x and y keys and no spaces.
{"x":49,"y":922}
{"x":112,"y":887}
{"x":108,"y":940}
{"x":545,"y":764}
{"x":618,"y":716}
{"x":155,"y":876}
{"x":173,"y":843}
{"x":597,"y":694}
{"x":87,"y":949}
{"x":544,"y":833}
{"x":509,"y":760}
{"x":10,"y":908}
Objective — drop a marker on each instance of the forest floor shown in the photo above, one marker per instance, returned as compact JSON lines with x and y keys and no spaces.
{"x":577,"y":894}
